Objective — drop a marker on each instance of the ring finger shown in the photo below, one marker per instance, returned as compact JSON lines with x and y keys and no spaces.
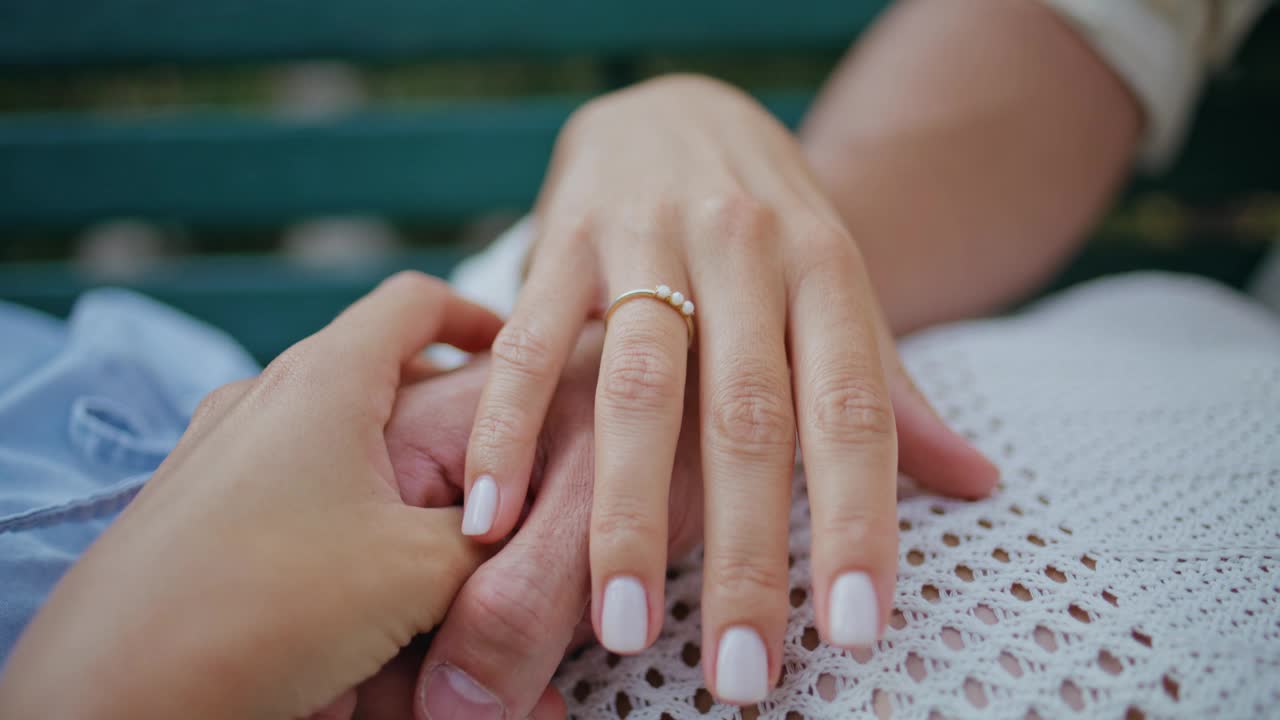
{"x":639,"y":405}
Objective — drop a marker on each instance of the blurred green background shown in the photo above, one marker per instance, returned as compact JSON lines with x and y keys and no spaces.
{"x":94,"y":77}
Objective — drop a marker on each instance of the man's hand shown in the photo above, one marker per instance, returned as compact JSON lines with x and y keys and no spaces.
{"x":512,"y":622}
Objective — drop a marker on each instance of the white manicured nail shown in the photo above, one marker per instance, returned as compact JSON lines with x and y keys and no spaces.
{"x":742,"y":666}
{"x":855,"y":619}
{"x":481,"y":506}
{"x":624,"y":616}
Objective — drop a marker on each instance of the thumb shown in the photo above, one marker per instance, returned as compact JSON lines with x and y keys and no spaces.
{"x":928,"y":450}
{"x":512,"y":622}
{"x":433,"y":560}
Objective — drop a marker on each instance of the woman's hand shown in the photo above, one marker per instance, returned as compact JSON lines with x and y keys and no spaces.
{"x":687,"y":183}
{"x":270,"y":564}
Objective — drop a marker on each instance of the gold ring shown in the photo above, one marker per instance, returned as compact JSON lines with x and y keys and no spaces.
{"x":675,"y":300}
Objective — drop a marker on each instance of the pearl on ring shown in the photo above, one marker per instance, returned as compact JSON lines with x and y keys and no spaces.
{"x":664,"y":293}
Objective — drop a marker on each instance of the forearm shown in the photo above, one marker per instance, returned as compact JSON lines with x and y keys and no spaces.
{"x":969,"y":147}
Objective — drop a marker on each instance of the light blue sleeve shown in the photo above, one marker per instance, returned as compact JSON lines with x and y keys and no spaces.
{"x":88,"y":408}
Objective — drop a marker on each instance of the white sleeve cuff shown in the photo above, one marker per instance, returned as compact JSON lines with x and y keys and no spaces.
{"x":1163,"y":50}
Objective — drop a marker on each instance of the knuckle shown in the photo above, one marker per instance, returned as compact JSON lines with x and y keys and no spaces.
{"x":695,"y":85}
{"x":851,"y":408}
{"x":218,"y":399}
{"x":588,"y":113}
{"x":753,"y":411}
{"x":524,"y":351}
{"x":739,"y":217}
{"x":293,"y":366}
{"x":510,"y":611}
{"x":495,"y":430}
{"x":639,"y":376}
{"x":415,"y":281}
{"x":747,"y":575}
{"x":691,"y":81}
{"x":624,"y":526}
{"x":657,"y":215}
{"x":831,"y":258}
{"x":855,"y":527}
{"x":571,"y":223}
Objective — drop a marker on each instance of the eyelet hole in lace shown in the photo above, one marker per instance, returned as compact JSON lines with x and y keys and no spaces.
{"x":1010,"y":664}
{"x":974,"y":693}
{"x":810,"y":638}
{"x":691,"y":654}
{"x":897,"y":620}
{"x":915,"y":667}
{"x":986,"y":614}
{"x":1046,"y":639}
{"x":952,"y":639}
{"x":680,"y":610}
{"x":1072,"y":696}
{"x":826,"y":687}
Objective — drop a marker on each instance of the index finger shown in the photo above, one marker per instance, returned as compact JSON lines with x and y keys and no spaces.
{"x":357,"y":358}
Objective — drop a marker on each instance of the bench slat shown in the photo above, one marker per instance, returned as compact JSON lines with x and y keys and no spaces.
{"x":265,"y":302}
{"x":68,"y":32}
{"x":226,"y":168}
{"x":445,"y":164}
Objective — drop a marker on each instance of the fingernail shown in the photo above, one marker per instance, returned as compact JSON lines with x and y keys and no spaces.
{"x":624,"y":616}
{"x":481,"y":506}
{"x":855,"y":619}
{"x":742,"y":666}
{"x":451,"y":694}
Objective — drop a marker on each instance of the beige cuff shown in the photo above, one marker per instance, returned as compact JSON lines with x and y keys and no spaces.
{"x":1163,"y":49}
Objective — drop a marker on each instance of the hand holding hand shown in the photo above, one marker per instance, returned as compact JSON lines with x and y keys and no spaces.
{"x":269,"y":566}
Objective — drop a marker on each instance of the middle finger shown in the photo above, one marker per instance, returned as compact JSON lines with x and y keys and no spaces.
{"x":748,"y":451}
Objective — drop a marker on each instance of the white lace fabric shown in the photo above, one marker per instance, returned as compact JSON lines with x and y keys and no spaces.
{"x":1128,"y":565}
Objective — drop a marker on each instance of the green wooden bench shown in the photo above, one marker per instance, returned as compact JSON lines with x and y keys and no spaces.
{"x":441,"y":160}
